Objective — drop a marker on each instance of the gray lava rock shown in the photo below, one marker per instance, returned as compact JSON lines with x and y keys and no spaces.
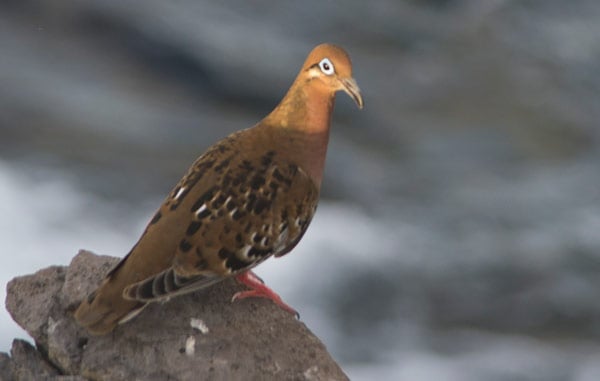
{"x":251,"y":339}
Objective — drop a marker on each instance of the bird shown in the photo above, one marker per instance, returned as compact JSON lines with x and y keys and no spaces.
{"x":249,"y":197}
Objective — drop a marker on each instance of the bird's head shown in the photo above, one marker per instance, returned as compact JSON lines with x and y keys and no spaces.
{"x":329,"y":67}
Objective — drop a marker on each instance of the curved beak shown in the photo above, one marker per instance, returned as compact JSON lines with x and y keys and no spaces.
{"x":351,"y":88}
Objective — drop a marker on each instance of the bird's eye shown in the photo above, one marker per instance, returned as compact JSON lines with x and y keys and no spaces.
{"x":326,"y":66}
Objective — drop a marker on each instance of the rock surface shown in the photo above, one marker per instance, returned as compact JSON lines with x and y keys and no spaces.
{"x":249,"y":340}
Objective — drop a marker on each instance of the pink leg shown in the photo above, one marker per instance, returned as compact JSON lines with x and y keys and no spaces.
{"x":259,"y":289}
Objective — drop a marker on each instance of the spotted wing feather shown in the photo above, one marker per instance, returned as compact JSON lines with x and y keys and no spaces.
{"x":255,"y":208}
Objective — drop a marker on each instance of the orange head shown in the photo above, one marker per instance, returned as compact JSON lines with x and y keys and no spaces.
{"x":330,"y":65}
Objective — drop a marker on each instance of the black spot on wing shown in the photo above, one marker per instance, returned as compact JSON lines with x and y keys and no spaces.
{"x":232,"y":262}
{"x":224,"y":253}
{"x":230,"y":205}
{"x":156,"y":217}
{"x":250,"y":202}
{"x":201,"y":264}
{"x":257,"y":182}
{"x":193,"y":227}
{"x":267,"y":159}
{"x":218,"y":202}
{"x":281,"y":178}
{"x":235,"y":264}
{"x":206,"y":196}
{"x":246,"y":166}
{"x":185,"y":245}
{"x":238,"y":180}
{"x":260,"y":253}
{"x":222,"y":165}
{"x":199,"y":169}
{"x":238,"y":214}
{"x":203,"y":214}
{"x":260,"y":205}
{"x":226,"y":182}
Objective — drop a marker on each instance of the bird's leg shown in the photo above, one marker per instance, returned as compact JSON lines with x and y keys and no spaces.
{"x":260,"y":290}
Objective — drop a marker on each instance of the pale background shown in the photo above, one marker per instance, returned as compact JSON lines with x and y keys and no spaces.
{"x":459,"y":233}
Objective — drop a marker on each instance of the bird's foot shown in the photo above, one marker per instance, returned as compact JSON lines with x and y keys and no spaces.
{"x":260,"y":290}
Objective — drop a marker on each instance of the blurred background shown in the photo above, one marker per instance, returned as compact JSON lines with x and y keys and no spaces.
{"x":458,"y":236}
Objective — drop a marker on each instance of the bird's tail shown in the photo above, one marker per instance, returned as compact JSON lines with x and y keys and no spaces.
{"x":103,"y":309}
{"x":168,"y":284}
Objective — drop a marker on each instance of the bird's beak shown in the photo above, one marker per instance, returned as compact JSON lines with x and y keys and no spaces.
{"x":351,"y":88}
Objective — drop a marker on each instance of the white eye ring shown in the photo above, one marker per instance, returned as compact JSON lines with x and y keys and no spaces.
{"x":326,"y":66}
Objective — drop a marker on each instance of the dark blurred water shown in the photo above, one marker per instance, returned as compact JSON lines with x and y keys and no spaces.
{"x":459,"y":234}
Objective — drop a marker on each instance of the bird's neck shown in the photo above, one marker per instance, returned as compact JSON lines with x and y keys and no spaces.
{"x":301,"y":123}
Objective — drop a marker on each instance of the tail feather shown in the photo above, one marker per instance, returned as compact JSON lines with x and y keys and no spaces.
{"x":166,"y":285}
{"x":116,"y":302}
{"x":100,"y":314}
{"x":133,"y":313}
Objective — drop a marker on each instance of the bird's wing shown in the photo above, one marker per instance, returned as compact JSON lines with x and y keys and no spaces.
{"x":258,"y":207}
{"x":155,"y":250}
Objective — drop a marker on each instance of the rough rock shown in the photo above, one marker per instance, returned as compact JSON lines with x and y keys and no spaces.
{"x":251,"y":339}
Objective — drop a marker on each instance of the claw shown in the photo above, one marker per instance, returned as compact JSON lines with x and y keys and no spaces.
{"x":258,"y":289}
